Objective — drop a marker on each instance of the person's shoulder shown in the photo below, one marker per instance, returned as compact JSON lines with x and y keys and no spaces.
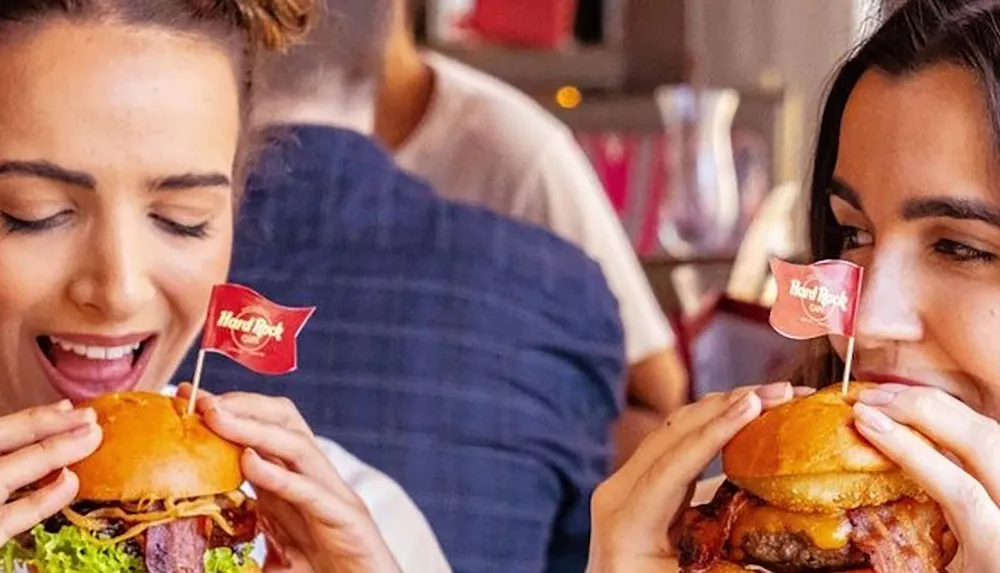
{"x":524,"y":251}
{"x":494,"y":109}
{"x":323,"y":190}
{"x":285,"y":154}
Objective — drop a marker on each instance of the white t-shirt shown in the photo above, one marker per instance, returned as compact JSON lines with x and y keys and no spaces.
{"x":401,"y":523}
{"x":484,"y":142}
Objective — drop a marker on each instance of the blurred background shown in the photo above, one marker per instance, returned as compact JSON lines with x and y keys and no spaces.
{"x":699,"y":117}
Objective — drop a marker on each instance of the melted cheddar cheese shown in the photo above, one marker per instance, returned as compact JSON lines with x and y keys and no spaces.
{"x":827,"y":532}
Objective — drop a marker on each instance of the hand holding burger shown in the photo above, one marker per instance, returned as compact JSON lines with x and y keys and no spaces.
{"x":159,"y":495}
{"x":633,"y":510}
{"x":33,"y":444}
{"x":966,"y":483}
{"x":162,"y":492}
{"x":318,"y":524}
{"x":806,"y":492}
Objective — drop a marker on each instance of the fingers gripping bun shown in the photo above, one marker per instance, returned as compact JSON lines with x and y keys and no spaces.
{"x":814,"y":458}
{"x":152,"y":449}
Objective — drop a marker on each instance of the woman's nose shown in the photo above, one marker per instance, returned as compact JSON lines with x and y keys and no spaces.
{"x":889,"y":310}
{"x":114,"y":281}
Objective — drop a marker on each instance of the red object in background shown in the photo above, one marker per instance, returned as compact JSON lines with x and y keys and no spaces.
{"x":535,"y":23}
{"x":816,"y":300}
{"x":252,"y":330}
{"x":633,"y":168}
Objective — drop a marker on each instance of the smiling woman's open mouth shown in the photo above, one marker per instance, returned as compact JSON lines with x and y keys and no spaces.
{"x":83,"y":366}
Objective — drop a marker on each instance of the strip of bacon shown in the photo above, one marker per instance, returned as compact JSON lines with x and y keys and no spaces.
{"x":705,"y":528}
{"x":902,"y":537}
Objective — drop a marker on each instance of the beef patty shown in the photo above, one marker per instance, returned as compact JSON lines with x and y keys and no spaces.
{"x":795,"y":551}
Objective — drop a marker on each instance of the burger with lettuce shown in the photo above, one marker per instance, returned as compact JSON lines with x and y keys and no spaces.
{"x":160,"y":495}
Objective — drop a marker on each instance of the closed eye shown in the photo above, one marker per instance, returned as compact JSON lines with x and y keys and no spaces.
{"x":198,"y":231}
{"x":14,"y":224}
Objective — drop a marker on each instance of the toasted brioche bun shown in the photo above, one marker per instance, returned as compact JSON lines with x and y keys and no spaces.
{"x":807,"y":456}
{"x":153,"y":450}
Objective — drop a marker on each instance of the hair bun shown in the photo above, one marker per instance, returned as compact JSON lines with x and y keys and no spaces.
{"x":276,"y":24}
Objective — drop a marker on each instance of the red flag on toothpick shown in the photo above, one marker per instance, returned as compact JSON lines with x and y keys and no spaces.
{"x":817,"y":300}
{"x":252,"y":330}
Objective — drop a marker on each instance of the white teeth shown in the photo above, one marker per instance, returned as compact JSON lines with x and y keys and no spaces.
{"x":96,"y":352}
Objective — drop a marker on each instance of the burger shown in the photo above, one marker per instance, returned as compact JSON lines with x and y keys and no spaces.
{"x":160,"y":495}
{"x":804,"y":491}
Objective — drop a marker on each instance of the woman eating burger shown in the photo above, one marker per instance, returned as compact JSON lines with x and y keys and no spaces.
{"x":122,"y":143}
{"x":906,"y":183}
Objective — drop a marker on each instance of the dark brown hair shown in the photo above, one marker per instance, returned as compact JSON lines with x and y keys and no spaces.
{"x":917,"y":34}
{"x":245,"y":28}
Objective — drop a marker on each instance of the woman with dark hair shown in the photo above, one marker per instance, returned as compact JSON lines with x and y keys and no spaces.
{"x":906,"y":183}
{"x":123,"y":136}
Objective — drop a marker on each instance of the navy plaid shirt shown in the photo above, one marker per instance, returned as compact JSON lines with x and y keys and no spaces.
{"x":476,"y":360}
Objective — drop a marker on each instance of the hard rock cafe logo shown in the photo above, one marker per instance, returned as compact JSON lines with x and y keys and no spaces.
{"x":250,"y":329}
{"x":818,"y":301}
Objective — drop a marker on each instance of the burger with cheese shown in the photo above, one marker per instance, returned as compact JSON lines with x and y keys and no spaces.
{"x":806,"y":492}
{"x":160,"y":495}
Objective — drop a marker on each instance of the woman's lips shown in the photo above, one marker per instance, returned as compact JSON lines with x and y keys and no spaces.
{"x":82,"y":367}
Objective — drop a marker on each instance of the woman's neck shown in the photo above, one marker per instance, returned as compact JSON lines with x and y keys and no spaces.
{"x":351,"y":109}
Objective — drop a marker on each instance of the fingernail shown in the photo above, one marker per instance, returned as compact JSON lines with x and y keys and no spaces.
{"x":774,"y":391}
{"x":873,"y":418}
{"x":252,"y":453}
{"x":87,"y":415}
{"x":803,"y":391}
{"x":876,"y":397}
{"x":740,"y":407}
{"x":64,"y":406}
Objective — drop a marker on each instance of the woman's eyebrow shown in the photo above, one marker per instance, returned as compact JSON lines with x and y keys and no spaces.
{"x":839,"y":188}
{"x":190,"y":181}
{"x":47,"y":170}
{"x":951,"y":208}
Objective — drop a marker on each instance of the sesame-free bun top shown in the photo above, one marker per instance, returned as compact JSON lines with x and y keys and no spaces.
{"x":152,"y":450}
{"x":806,"y":455}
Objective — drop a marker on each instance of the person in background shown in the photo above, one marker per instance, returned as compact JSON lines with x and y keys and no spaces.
{"x":477,"y":360}
{"x":478,"y":140}
{"x":122,"y":142}
{"x":906,"y":183}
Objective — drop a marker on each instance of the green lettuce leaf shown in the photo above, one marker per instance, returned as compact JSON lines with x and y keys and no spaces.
{"x":225,"y":560}
{"x":71,"y":551}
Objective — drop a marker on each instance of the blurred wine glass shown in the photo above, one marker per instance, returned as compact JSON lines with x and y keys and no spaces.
{"x":702,"y":210}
